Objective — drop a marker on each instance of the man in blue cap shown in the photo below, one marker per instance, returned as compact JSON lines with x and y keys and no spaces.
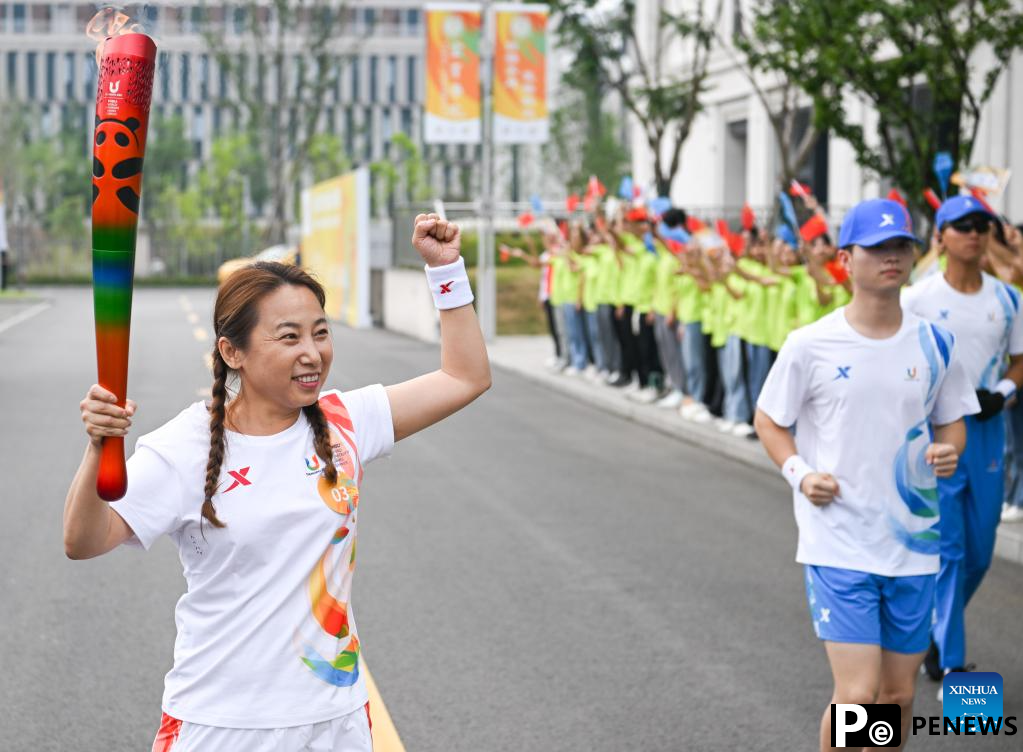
{"x":861,"y":386}
{"x":984,"y":315}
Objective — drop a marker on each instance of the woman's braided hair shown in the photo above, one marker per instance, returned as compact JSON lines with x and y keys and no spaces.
{"x":234,"y":317}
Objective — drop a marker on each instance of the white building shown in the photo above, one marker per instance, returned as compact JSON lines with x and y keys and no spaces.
{"x":48,"y":64}
{"x":731,"y":155}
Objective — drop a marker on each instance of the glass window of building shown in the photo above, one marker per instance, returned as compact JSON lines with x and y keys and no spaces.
{"x":30,"y":75}
{"x":373,"y":65}
{"x":204,"y":77}
{"x":369,"y":21}
{"x":355,"y":79}
{"x":18,"y":17}
{"x":164,"y":66}
{"x":412,"y":78}
{"x":3,"y":17}
{"x":185,"y":64}
{"x":240,"y":20}
{"x":41,"y":19}
{"x":392,"y":78}
{"x":12,"y":73}
{"x":198,"y":130}
{"x":412,"y":19}
{"x":89,"y":87}
{"x":349,"y":130}
{"x":51,"y":76}
{"x":406,"y":120}
{"x":69,"y":75}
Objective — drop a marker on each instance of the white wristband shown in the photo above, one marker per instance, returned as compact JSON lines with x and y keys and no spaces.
{"x":1006,"y":387}
{"x":794,"y":470}
{"x":449,"y":285}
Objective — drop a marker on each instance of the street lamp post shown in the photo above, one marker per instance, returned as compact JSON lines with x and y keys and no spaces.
{"x":486,"y":283}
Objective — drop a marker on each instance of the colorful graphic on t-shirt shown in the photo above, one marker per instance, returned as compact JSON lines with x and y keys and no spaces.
{"x":326,"y":641}
{"x":914,"y":478}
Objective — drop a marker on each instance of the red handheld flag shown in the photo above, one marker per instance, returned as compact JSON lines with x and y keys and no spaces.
{"x":932,"y":199}
{"x":800,"y":189}
{"x":722,"y":228}
{"x":815,"y":227}
{"x":749,"y":219}
{"x":838,"y":272}
{"x":978,"y":193}
{"x":894,"y":195}
{"x":571,"y":202}
{"x":694,"y":225}
{"x":525,"y":219}
{"x":504,"y":255}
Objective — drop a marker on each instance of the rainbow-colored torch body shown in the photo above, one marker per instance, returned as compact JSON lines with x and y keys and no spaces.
{"x":122,"y":117}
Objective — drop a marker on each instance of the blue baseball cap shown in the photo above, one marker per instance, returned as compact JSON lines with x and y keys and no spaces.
{"x":874,"y":221}
{"x":958,"y":207}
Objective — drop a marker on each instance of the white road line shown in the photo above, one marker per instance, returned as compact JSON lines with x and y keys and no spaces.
{"x":23,"y":316}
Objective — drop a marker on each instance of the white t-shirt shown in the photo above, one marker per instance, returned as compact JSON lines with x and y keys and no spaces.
{"x":266,"y":637}
{"x":861,"y":407}
{"x":986,"y":324}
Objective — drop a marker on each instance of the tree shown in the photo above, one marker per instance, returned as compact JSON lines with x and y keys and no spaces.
{"x":918,"y":64}
{"x":662,"y":95}
{"x":579,"y":148}
{"x":781,"y":98}
{"x":297,"y":44}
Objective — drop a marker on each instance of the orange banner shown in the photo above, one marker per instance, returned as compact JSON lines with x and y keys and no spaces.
{"x":520,"y":74}
{"x":452,"y":113}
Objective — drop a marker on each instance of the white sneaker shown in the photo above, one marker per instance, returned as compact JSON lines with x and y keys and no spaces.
{"x":571,"y":371}
{"x":613,"y":376}
{"x":671,"y":401}
{"x":742,"y":430}
{"x":701,"y":414}
{"x":646,"y":395}
{"x":1012,"y":514}
{"x":633,"y":387}
{"x":688,"y":408}
{"x":725,"y":426}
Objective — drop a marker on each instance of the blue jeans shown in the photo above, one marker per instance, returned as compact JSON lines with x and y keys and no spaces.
{"x":1014,"y":453}
{"x":758,"y":359}
{"x":593,"y":335}
{"x":574,"y":325}
{"x":693,"y":360}
{"x":736,"y":407}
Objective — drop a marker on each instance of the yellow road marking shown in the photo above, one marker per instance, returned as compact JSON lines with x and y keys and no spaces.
{"x":200,"y":334}
{"x":385,"y":735}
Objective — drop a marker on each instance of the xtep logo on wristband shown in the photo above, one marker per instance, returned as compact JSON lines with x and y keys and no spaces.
{"x":446,"y":287}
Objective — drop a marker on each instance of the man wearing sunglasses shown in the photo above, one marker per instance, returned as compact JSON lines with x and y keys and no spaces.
{"x":984,"y":315}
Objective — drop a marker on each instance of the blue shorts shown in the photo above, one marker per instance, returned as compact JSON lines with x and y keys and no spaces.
{"x":851,"y":606}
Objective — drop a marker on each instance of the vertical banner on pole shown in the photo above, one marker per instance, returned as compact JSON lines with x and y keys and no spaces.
{"x":520,"y":74}
{"x":452,"y":113}
{"x":335,"y":244}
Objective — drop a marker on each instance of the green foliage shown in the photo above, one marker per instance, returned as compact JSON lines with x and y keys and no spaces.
{"x":665,"y":100}
{"x":914,"y":62}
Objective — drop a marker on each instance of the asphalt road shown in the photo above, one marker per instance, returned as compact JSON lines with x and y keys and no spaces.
{"x":533,"y":574}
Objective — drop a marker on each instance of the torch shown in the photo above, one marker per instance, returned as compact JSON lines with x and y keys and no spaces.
{"x":122,"y":116}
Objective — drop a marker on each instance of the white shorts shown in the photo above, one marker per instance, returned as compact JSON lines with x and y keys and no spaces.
{"x":349,"y":733}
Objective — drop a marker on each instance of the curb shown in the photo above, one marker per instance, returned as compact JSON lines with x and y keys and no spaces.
{"x":1009,"y":541}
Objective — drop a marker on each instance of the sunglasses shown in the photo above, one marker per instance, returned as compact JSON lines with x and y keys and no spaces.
{"x":968,"y":224}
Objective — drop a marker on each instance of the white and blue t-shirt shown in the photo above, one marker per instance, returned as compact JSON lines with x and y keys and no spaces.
{"x":987,"y":324}
{"x":861,"y":409}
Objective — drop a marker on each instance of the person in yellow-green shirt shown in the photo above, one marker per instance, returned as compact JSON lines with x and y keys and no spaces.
{"x":626,"y":234}
{"x":566,"y":289}
{"x":590,"y":256}
{"x":669,"y":241}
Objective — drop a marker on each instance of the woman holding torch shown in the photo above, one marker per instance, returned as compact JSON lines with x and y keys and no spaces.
{"x":260,"y":493}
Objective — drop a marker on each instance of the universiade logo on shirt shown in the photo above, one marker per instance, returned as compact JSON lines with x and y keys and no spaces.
{"x":313,"y":465}
{"x":971,"y":705}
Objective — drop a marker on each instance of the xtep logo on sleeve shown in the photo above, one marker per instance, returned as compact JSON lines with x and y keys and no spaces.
{"x":843,"y":372}
{"x":239,"y":478}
